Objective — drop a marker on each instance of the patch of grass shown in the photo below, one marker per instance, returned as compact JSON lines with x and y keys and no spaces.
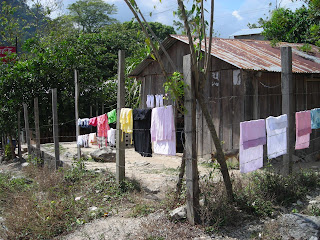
{"x":46,"y":206}
{"x":258,"y":194}
{"x":142,"y":209}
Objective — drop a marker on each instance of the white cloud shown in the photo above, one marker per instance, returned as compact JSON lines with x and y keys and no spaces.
{"x":237,"y":15}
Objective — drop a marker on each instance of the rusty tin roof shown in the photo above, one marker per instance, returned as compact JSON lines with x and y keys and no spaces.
{"x":251,"y":54}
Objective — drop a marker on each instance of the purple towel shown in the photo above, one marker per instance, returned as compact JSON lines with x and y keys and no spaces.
{"x":253,"y":133}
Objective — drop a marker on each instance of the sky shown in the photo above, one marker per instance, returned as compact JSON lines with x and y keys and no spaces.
{"x":230,"y":15}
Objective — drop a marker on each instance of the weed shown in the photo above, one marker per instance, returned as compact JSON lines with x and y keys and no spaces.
{"x":45,"y":207}
{"x":142,"y":209}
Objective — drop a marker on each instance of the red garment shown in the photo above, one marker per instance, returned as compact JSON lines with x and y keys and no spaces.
{"x":93,"y":121}
{"x":103,"y":125}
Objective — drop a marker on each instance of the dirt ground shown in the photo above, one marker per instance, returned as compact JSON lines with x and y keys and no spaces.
{"x":156,"y":173}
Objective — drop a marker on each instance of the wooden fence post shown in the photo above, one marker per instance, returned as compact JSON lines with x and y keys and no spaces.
{"x":19,"y":137}
{"x":190,"y":144}
{"x":288,"y":105}
{"x":36,"y":122}
{"x":26,"y":124}
{"x":91,"y":116}
{"x":120,"y":145}
{"x":76,"y":102}
{"x":55,"y":129}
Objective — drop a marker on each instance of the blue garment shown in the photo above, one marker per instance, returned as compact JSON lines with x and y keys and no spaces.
{"x":315,"y":118}
{"x":83,"y":123}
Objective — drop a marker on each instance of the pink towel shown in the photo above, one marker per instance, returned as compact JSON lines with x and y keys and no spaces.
{"x":303,"y":129}
{"x":253,"y":133}
{"x":93,"y":121}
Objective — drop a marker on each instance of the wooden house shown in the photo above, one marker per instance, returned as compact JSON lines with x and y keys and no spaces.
{"x":244,"y":84}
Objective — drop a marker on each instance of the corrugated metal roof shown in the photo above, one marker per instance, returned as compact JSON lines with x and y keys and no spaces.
{"x":248,"y":32}
{"x":252,"y":55}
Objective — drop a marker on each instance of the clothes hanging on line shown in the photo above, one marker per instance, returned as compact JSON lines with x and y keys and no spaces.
{"x":112,"y":116}
{"x":252,"y":139}
{"x":276,"y":135}
{"x":93,"y":139}
{"x":315,"y":118}
{"x":83,"y":123}
{"x":112,"y":137}
{"x":83,"y":140}
{"x":162,"y":130}
{"x":126,"y":122}
{"x":159,"y":100}
{"x":303,"y":129}
{"x":141,"y":131}
{"x":93,"y":121}
{"x":150,"y":101}
{"x":102,"y":127}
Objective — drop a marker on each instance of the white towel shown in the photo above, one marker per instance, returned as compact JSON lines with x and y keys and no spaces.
{"x":112,"y":137}
{"x":277,"y":135}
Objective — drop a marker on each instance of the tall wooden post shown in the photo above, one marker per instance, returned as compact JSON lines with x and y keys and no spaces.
{"x":120,"y":145}
{"x":91,"y":116}
{"x":19,"y":136}
{"x":26,"y":124}
{"x":37,"y":126}
{"x":76,"y":102}
{"x":190,"y":144}
{"x":288,"y":105}
{"x":55,"y":129}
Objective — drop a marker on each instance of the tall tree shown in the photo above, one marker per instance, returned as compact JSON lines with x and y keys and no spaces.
{"x":201,"y":62}
{"x":91,"y":15}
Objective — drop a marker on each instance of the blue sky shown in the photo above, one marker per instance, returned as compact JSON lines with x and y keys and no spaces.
{"x":230,"y":15}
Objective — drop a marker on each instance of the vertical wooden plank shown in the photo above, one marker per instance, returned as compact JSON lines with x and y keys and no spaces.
{"x":120,"y":145}
{"x":19,"y":136}
{"x":248,"y":96}
{"x":256,"y":109}
{"x":190,"y":144}
{"x":226,"y":89}
{"x":238,"y":105}
{"x":37,"y":126}
{"x":55,"y":130}
{"x":288,"y":103}
{"x":76,"y":108}
{"x":90,"y":116}
{"x":26,"y":124}
{"x":216,"y":105}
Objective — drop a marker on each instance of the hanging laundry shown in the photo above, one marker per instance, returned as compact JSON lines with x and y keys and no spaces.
{"x":252,"y":139}
{"x":103,"y":127}
{"x":112,"y":137}
{"x":303,"y":129}
{"x":93,"y":138}
{"x":93,"y":121}
{"x":126,"y":122}
{"x":112,"y":116}
{"x":141,"y":131}
{"x":159,"y":100}
{"x":276,"y":135}
{"x":83,"y":140}
{"x":315,"y":118}
{"x":162,"y":130}
{"x":150,"y":101}
{"x":84,"y":123}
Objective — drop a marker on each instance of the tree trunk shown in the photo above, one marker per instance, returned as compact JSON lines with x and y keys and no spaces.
{"x":13,"y":154}
{"x":220,"y":155}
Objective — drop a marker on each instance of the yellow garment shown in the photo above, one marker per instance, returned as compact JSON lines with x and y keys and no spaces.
{"x":126,"y":121}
